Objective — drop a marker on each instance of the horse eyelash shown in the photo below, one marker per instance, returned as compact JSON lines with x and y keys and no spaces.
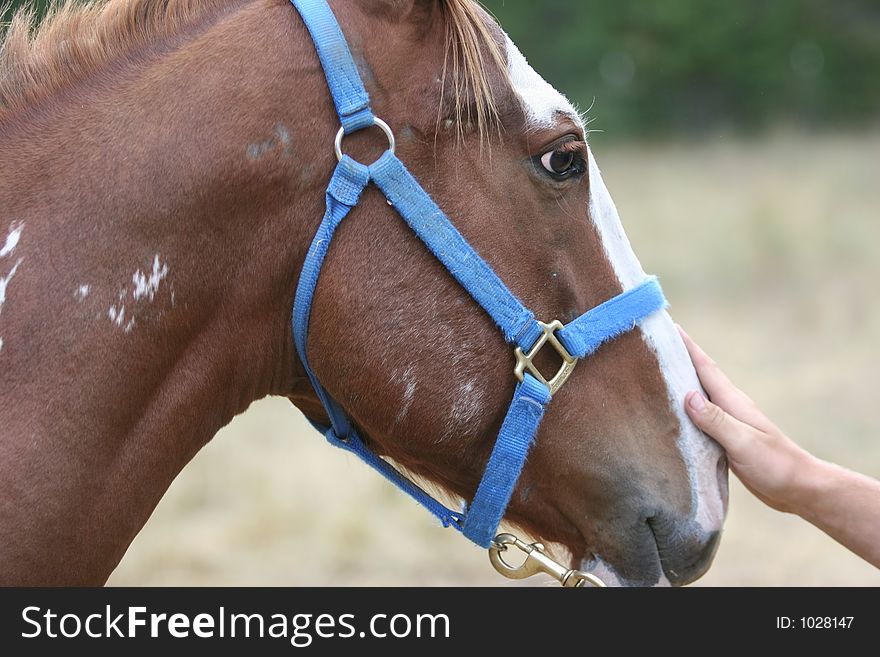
{"x":573,"y":147}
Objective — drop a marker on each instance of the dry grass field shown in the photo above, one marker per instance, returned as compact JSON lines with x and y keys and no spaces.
{"x":768,"y":251}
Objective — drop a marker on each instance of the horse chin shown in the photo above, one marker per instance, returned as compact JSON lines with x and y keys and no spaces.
{"x":604,"y":571}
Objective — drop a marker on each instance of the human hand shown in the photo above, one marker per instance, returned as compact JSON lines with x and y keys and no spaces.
{"x":767,"y":461}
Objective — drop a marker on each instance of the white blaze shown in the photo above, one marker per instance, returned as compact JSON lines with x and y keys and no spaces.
{"x":540,"y":100}
{"x":699,"y":453}
{"x":542,"y":104}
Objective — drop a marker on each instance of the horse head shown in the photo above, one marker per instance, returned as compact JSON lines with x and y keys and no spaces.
{"x":618,"y":474}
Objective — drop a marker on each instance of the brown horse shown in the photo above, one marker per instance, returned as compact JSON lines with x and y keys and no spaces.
{"x":162,"y":171}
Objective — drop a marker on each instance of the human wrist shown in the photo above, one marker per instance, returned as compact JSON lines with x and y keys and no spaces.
{"x":812,"y":483}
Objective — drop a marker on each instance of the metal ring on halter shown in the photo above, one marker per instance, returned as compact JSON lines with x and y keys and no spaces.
{"x":379,"y":123}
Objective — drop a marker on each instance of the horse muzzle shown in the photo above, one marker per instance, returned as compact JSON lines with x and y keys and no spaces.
{"x":657,"y":550}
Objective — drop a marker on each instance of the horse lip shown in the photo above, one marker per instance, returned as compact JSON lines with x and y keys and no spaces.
{"x":593,"y":561}
{"x":695,"y":566}
{"x":650,"y":521}
{"x":611,"y":577}
{"x":588,"y":563}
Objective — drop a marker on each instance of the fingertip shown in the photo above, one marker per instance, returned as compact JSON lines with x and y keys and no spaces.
{"x":681,"y":332}
{"x":699,"y":357}
{"x":695,"y":401}
{"x":687,"y":339}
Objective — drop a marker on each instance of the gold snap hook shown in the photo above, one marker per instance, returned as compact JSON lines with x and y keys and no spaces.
{"x":537,"y":561}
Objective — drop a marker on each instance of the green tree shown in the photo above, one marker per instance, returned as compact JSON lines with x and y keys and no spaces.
{"x":691,"y":65}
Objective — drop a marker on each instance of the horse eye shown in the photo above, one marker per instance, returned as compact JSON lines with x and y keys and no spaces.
{"x":562,"y":163}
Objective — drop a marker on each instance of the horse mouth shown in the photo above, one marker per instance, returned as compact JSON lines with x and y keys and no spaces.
{"x":669,"y":556}
{"x":685,"y":554}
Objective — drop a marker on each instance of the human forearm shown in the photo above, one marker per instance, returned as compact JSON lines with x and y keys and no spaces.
{"x":843,"y":504}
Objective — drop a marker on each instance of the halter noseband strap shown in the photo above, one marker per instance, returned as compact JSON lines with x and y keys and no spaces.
{"x":517,"y":323}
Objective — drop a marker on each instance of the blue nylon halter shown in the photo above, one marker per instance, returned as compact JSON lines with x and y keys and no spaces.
{"x":581,"y":337}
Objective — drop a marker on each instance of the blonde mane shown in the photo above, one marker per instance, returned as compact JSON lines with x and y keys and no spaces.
{"x":467,"y":36}
{"x":73,"y":41}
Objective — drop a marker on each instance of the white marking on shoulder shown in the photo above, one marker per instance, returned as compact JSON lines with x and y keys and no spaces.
{"x":4,"y":283}
{"x":539,"y":99}
{"x":117,"y":314}
{"x":700,"y":454}
{"x":82,"y":291}
{"x":11,"y":239}
{"x":146,"y":285}
{"x":408,"y":380}
{"x":6,"y":280}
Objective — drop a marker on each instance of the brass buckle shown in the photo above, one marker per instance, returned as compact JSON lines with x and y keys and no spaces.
{"x":524,"y":361}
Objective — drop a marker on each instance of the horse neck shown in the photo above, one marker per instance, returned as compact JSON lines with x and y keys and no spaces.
{"x":158,"y":209}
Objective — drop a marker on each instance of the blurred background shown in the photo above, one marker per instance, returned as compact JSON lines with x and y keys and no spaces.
{"x":741,"y":142}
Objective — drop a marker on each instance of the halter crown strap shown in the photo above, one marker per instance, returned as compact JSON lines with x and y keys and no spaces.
{"x":351,"y":99}
{"x":517,"y":323}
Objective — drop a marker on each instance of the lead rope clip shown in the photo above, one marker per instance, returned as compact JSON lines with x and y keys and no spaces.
{"x":537,"y":562}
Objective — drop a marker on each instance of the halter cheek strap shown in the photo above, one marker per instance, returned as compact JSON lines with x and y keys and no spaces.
{"x":581,"y":337}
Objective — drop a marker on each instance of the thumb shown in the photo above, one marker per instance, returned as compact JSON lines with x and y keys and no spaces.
{"x":713,"y":420}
